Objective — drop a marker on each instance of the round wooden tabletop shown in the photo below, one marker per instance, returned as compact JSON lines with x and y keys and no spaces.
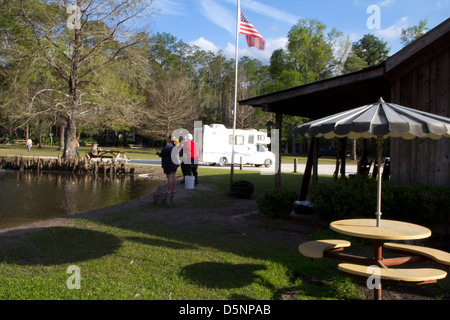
{"x":388,"y":229}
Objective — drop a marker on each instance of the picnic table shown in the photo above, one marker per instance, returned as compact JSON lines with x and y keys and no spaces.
{"x":135,"y":146}
{"x":362,"y":266}
{"x":110,"y":154}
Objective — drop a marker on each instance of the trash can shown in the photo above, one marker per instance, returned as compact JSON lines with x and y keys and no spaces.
{"x":189,"y":182}
{"x":303,"y":207}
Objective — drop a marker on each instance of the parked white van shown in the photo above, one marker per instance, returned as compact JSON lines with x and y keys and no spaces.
{"x":215,"y":146}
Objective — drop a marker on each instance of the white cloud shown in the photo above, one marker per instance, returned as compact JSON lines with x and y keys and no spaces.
{"x":268,"y":11}
{"x":386,"y":3}
{"x":225,"y":18}
{"x":355,"y":36}
{"x":204,"y":44}
{"x":394,"y":31}
{"x":229,"y":51}
{"x":219,"y":15}
{"x":170,"y":7}
{"x":253,"y":53}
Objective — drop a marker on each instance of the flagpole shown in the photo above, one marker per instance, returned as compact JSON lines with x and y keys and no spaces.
{"x":235,"y":86}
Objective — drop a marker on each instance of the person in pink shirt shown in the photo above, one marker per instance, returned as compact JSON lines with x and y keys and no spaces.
{"x":190,"y":157}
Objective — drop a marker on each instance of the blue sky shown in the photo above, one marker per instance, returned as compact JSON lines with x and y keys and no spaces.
{"x":211,"y":24}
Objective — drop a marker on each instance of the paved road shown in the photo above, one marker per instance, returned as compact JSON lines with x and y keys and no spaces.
{"x":324,"y":169}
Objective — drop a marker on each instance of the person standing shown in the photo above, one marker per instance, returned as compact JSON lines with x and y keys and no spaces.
{"x":77,"y":145}
{"x":169,"y":167}
{"x":182,"y":165}
{"x":190,"y":157}
{"x":29,"y":144}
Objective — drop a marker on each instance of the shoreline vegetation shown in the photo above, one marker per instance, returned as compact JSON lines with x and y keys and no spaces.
{"x":46,"y":151}
{"x":81,"y":166}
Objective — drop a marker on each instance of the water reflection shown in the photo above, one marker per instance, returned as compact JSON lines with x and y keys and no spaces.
{"x":29,"y":196}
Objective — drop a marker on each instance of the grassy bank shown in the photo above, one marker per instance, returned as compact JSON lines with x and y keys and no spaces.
{"x":153,"y":262}
{"x":134,"y":253}
{"x":127,"y":254}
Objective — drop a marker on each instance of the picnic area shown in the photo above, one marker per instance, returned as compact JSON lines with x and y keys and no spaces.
{"x":184,"y":249}
{"x":95,"y":90}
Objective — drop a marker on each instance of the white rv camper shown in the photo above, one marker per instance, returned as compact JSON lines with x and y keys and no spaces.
{"x":216,"y":146}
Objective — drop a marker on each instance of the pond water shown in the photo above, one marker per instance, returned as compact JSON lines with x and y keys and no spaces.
{"x":29,"y":196}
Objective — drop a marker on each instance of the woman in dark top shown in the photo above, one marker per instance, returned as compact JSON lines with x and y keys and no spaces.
{"x":169,"y":167}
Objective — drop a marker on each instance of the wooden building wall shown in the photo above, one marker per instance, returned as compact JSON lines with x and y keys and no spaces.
{"x":423,"y":85}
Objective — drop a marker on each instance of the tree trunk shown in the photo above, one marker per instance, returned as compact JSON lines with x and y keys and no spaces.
{"x":62,"y":135}
{"x":167,"y":129}
{"x":70,"y":139}
{"x":71,"y":129}
{"x":40,"y":134}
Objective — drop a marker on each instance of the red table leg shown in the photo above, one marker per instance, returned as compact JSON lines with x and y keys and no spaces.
{"x":378,"y":255}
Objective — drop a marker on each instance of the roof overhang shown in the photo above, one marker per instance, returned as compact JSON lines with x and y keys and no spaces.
{"x":430,"y":44}
{"x":322,"y":98}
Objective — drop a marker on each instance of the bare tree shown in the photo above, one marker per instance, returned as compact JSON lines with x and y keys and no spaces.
{"x":77,"y":39}
{"x":170,"y":106}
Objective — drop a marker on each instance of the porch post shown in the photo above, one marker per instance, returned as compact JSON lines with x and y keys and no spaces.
{"x":278,"y":125}
{"x":307,"y":174}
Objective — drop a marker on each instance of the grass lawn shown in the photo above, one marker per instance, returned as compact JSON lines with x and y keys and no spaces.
{"x":155,"y":262}
{"x":128,"y":255}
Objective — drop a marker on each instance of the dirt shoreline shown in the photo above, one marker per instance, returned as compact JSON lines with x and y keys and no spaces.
{"x":227,"y":211}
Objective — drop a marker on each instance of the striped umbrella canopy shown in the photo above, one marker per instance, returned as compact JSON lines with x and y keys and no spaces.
{"x":380,"y":120}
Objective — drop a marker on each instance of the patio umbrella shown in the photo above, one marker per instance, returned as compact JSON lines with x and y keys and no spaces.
{"x":380,"y":120}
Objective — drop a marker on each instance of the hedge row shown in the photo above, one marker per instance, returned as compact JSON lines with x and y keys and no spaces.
{"x":356,"y":197}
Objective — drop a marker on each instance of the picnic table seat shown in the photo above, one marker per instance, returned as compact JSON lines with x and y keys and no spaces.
{"x":418,"y":275}
{"x":94,"y":156}
{"x":315,"y":249}
{"x":439,"y":256}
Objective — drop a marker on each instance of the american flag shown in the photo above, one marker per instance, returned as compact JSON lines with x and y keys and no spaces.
{"x":254,"y":39}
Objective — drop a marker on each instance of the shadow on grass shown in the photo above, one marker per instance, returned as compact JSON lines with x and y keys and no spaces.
{"x":58,"y":245}
{"x":161,"y":243}
{"x":221,"y":275}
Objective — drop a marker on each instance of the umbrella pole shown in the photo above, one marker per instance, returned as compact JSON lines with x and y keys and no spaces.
{"x":379,"y":151}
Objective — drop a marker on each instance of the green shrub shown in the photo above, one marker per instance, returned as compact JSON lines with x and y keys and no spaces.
{"x":47,"y":141}
{"x":277,"y":203}
{"x":344,"y":199}
{"x":84,"y":141}
{"x":427,"y":205}
{"x":357,"y":197}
